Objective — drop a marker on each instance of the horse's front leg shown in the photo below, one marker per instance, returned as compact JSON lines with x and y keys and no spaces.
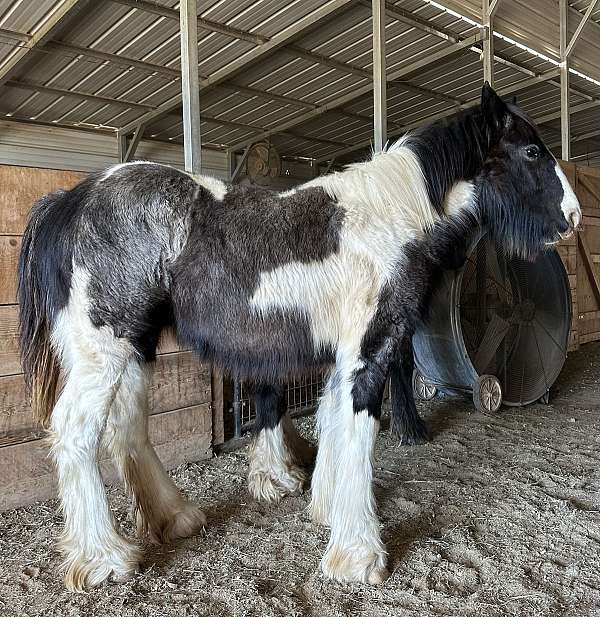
{"x":406,"y":423}
{"x":278,"y":454}
{"x":355,"y":551}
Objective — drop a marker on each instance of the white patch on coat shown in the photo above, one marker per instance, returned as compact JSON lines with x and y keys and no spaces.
{"x":324,"y":474}
{"x":459,"y":198}
{"x":93,"y":361}
{"x":277,"y":457}
{"x":216,"y":187}
{"x":355,"y":551}
{"x":386,"y":205}
{"x":162,"y":513}
{"x":115,"y":168}
{"x":570,"y":204}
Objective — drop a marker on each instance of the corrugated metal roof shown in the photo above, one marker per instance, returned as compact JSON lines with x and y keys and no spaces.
{"x":69,"y":80}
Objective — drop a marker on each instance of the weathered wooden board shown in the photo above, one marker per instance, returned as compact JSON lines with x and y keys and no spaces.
{"x":28,"y":475}
{"x":22,"y":187}
{"x":181,"y":408}
{"x":9,"y":341}
{"x":581,"y":255}
{"x":179,"y":380}
{"x":9,"y":259}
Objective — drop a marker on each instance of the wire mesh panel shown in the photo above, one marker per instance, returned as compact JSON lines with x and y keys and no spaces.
{"x":302,"y":394}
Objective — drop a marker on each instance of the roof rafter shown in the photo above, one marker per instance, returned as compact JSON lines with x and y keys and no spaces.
{"x":582,"y":23}
{"x":20,"y":54}
{"x":302,"y":26}
{"x":522,"y":85}
{"x":36,"y":87}
{"x":358,"y":92}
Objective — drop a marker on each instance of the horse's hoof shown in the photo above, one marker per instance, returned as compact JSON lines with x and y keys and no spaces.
{"x":357,"y":564}
{"x":120,"y":562}
{"x":184,"y":521}
{"x":416,"y":435}
{"x":267,"y":486}
{"x":188,"y":522}
{"x":378,"y":576}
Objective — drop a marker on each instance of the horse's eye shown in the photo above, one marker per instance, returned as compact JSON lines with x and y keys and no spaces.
{"x":532,"y":152}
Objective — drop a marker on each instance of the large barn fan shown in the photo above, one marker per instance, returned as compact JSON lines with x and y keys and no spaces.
{"x":498,"y":327}
{"x":262,"y":163}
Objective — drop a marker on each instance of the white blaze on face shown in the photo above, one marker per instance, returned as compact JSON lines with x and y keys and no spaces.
{"x":569,"y":204}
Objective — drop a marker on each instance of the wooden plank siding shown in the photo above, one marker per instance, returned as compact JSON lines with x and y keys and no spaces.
{"x":581,"y":257}
{"x":181,"y":395}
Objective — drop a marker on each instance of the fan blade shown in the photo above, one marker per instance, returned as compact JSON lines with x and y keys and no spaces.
{"x":496,"y":264}
{"x":492,"y":338}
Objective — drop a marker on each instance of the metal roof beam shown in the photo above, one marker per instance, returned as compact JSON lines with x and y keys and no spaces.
{"x":414,"y":21}
{"x":85,"y":96}
{"x":22,"y":53}
{"x":444,"y":114}
{"x":190,"y":92}
{"x":253,"y":128}
{"x":573,"y":110}
{"x":300,"y":27}
{"x":127,"y":63}
{"x":379,"y":75}
{"x":488,"y":43}
{"x":424,"y":25}
{"x":565,"y":113}
{"x":204,"y":24}
{"x":127,"y":152}
{"x":149,"y":67}
{"x":358,"y":92}
{"x":584,"y":20}
{"x":580,"y":137}
{"x":591,"y":24}
{"x":14,"y":36}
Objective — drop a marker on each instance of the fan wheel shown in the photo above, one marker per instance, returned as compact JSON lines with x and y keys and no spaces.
{"x":487,"y":394}
{"x":262,"y":163}
{"x":422,"y":390}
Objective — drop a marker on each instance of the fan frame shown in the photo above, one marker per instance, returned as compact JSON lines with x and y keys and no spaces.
{"x":466,"y":374}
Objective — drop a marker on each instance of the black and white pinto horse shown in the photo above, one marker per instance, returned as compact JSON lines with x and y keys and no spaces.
{"x":337,"y":271}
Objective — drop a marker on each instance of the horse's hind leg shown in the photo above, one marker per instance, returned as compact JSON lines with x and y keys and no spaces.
{"x":278,"y":454}
{"x":93,"y":361}
{"x":162,"y":513}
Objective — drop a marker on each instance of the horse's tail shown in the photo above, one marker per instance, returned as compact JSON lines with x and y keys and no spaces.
{"x":44,"y":279}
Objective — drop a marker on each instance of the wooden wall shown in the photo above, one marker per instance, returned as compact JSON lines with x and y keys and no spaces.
{"x":181,"y":423}
{"x":581,"y":256}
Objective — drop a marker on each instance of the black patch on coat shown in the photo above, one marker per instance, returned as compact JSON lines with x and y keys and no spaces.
{"x":128,"y":236}
{"x":161,"y":251}
{"x":404,"y":302}
{"x":270,"y":402}
{"x":231,"y":242}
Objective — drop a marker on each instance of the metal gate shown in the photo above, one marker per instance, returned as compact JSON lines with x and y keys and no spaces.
{"x":303,"y":395}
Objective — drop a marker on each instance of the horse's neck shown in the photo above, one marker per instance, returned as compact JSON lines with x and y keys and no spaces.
{"x":449,"y":153}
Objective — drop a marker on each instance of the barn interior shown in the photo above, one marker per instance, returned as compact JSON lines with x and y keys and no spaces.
{"x":499,"y":514}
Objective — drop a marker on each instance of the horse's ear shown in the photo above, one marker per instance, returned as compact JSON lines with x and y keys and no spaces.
{"x":495,"y":110}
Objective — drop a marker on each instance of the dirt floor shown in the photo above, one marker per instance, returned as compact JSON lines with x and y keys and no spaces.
{"x":497,"y":516}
